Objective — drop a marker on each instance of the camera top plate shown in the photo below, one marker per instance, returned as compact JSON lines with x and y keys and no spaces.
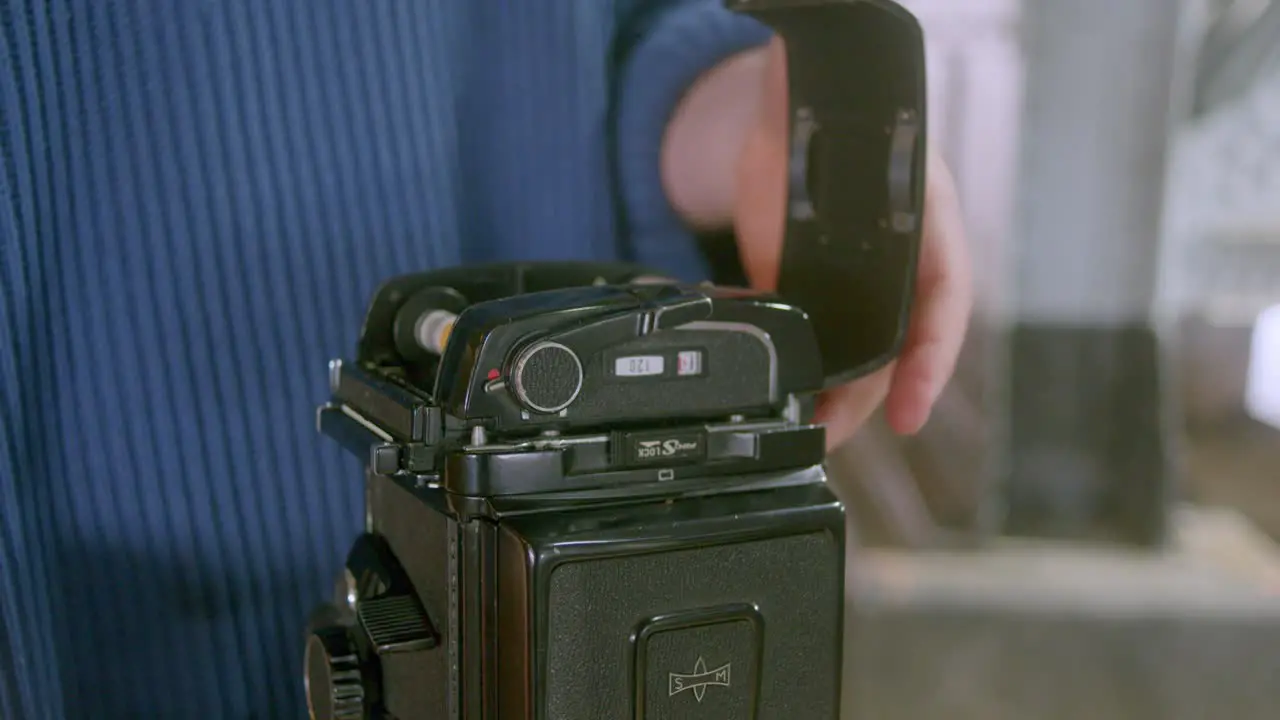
{"x":591,"y":355}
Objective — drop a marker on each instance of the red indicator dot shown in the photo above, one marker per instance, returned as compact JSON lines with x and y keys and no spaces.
{"x":494,"y":374}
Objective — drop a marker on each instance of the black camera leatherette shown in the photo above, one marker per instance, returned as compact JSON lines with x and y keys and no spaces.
{"x":598,"y":604}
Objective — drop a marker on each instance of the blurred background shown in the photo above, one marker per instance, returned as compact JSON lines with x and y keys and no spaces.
{"x":1087,"y":527}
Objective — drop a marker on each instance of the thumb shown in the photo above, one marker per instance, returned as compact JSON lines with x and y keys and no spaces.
{"x":775,"y":98}
{"x":760,"y":212}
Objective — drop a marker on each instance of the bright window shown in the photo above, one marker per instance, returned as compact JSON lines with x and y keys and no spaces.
{"x":1262,"y":393}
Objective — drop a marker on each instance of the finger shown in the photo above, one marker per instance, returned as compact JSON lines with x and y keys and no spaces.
{"x":943,"y":304}
{"x":762,"y":177}
{"x":845,"y":409}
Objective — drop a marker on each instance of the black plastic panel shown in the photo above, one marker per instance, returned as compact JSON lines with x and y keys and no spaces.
{"x":779,"y":552}
{"x":856,"y":78}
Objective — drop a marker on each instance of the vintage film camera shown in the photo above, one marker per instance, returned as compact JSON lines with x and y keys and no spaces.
{"x":595,"y":496}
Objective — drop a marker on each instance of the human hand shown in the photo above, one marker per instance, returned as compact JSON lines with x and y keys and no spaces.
{"x":910,"y":385}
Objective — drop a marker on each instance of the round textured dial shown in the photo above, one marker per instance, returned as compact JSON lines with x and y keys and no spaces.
{"x":334,"y":683}
{"x":547,"y":377}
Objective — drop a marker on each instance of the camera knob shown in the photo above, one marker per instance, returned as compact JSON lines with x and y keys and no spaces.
{"x":546,"y":377}
{"x":334,"y":681}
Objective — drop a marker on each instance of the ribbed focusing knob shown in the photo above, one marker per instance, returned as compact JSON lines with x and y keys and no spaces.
{"x":334,"y":684}
{"x":547,"y":377}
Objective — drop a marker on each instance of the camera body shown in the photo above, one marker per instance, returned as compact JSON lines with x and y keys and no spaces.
{"x":595,"y":493}
{"x":610,"y":506}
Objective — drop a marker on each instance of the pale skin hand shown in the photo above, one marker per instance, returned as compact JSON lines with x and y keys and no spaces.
{"x":724,"y":165}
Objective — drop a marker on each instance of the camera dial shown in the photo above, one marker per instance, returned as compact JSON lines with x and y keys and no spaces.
{"x":334,"y":681}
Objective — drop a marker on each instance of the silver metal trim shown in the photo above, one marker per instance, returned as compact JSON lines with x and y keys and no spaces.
{"x":454,"y":628}
{"x":346,"y":591}
{"x":382,"y":435}
{"x":657,"y":314}
{"x":517,"y":371}
{"x":792,"y":411}
{"x":543,"y":443}
{"x":752,"y":330}
{"x":800,"y":204}
{"x":335,"y":375}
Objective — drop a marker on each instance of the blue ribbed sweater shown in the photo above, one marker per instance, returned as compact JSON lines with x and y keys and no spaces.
{"x":198,"y":198}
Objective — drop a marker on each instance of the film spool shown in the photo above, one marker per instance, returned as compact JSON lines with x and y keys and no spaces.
{"x":433,"y":329}
{"x":425,"y":322}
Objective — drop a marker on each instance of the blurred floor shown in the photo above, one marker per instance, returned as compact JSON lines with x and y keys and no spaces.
{"x":1231,"y":460}
{"x":1237,"y":465}
{"x":1047,"y":631}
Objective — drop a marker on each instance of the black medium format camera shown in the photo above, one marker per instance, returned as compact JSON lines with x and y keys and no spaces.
{"x":596,"y":495}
